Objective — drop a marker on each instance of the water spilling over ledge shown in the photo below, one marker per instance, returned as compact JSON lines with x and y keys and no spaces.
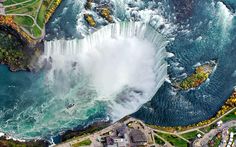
{"x":121,"y":65}
{"x":76,"y":89}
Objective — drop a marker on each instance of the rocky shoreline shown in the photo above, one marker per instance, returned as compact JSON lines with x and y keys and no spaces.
{"x":229,"y":105}
{"x":94,"y":127}
{"x":6,"y":140}
{"x":34,"y":50}
{"x":21,"y":56}
{"x":11,"y":142}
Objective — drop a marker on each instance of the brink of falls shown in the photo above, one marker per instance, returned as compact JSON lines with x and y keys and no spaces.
{"x":120,"y":67}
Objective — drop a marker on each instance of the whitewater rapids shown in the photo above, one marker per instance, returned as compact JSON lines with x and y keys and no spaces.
{"x":122,"y":65}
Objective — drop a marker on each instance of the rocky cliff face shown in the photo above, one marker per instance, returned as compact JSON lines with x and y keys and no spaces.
{"x":16,"y":52}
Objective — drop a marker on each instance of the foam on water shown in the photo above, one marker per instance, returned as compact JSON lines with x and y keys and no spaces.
{"x":110,"y":73}
{"x":225,"y":17}
{"x":127,"y":10}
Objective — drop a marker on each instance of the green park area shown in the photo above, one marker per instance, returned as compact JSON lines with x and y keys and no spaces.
{"x":11,"y":52}
{"x":191,"y":135}
{"x":226,"y":118}
{"x":230,"y":116}
{"x":85,"y":142}
{"x":206,"y":129}
{"x":173,"y":140}
{"x":30,"y":15}
{"x":158,"y":140}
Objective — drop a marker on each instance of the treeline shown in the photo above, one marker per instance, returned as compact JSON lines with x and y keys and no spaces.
{"x":229,"y":105}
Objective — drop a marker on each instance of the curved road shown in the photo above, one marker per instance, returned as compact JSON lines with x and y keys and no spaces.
{"x":202,"y":142}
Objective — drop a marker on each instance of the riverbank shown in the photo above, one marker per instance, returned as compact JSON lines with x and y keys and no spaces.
{"x":8,"y":21}
{"x":181,"y":132}
{"x":229,"y":106}
{"x":16,"y":53}
{"x":8,"y":141}
{"x":11,"y":142}
{"x":111,"y":135}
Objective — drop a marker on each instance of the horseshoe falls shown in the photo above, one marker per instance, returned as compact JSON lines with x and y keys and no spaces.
{"x":207,"y":35}
{"x":123,"y":68}
{"x":121,"y":65}
{"x":108,"y":74}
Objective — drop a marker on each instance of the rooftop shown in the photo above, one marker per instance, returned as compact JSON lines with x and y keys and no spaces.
{"x":138,"y":136}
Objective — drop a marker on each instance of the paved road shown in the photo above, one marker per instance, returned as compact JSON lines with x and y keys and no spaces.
{"x":202,"y":142}
{"x":166,"y":142}
{"x":35,"y":22}
{"x":198,"y":143}
{"x":96,"y":135}
{"x":92,"y":137}
{"x":34,"y":19}
{"x":197,"y":128}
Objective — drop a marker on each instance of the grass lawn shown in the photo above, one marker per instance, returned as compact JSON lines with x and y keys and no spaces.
{"x":11,"y":2}
{"x":232,"y":129}
{"x":230,"y":116}
{"x":41,"y":16}
{"x":86,"y":142}
{"x":174,"y":140}
{"x":33,"y":13}
{"x":36,"y":31}
{"x":206,"y":129}
{"x":215,"y":142}
{"x":191,"y":135}
{"x":24,"y":21}
{"x":158,"y":140}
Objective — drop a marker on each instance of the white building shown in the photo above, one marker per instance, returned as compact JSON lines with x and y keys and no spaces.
{"x":231,"y":136}
{"x":219,"y":123}
{"x":199,"y":135}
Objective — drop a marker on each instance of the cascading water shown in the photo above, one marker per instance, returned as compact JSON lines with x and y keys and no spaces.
{"x":121,"y":65}
{"x":110,"y":73}
{"x":225,"y":16}
{"x":208,"y":35}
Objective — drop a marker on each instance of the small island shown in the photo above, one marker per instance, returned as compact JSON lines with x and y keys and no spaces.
{"x":201,"y":74}
{"x":98,"y":10}
{"x":22,"y":31}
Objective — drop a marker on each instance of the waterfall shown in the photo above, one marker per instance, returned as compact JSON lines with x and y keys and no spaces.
{"x":225,"y":17}
{"x":122,"y":64}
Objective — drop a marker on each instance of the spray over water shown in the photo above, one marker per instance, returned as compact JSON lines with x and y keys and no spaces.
{"x":122,"y":65}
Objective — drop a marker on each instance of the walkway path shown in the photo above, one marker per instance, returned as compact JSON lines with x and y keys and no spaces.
{"x":34,"y":18}
{"x":196,"y":128}
{"x":166,"y":142}
{"x":198,"y":143}
{"x":12,"y":5}
{"x":201,"y":131}
{"x":35,"y":22}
